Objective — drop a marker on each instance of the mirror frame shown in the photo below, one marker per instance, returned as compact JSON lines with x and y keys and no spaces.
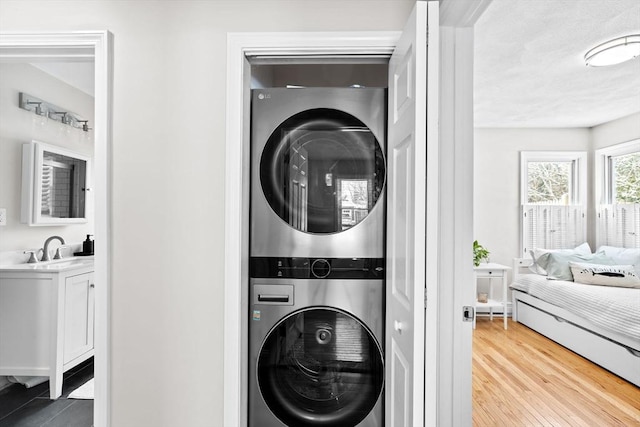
{"x":32,"y":164}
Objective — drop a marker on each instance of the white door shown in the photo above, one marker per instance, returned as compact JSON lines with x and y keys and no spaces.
{"x":406,"y":221}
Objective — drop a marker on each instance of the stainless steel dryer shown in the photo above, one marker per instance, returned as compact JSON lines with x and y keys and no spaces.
{"x":315,"y":348}
{"x":318,"y":172}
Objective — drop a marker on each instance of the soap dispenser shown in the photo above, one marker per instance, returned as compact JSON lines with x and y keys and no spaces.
{"x":87,"y":245}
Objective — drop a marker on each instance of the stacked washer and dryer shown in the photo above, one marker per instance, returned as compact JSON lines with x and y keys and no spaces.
{"x":316,"y":325}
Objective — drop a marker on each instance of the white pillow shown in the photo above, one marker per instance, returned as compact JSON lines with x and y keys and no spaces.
{"x":558,"y":267}
{"x":623,"y":256}
{"x":607,"y":275}
{"x":541,"y":256}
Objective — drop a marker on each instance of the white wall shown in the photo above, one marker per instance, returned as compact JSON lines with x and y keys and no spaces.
{"x":18,"y":126}
{"x":497,"y":181}
{"x":168,"y":181}
{"x":615,"y":132}
{"x":497,"y":176}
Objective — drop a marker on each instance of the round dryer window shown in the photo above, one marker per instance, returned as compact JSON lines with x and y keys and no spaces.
{"x":320,"y":367}
{"x":322,"y":171}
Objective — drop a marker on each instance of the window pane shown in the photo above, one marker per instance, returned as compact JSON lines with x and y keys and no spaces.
{"x":626,"y":178}
{"x":549,"y":183}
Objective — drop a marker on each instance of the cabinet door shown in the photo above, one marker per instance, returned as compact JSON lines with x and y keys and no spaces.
{"x":78,"y":316}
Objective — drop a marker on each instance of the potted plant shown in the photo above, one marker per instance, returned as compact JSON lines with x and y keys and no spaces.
{"x":479,"y":253}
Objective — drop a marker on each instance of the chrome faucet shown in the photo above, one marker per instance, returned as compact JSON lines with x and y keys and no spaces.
{"x":45,"y":252}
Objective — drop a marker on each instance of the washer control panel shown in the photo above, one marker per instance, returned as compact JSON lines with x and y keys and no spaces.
{"x":316,"y":268}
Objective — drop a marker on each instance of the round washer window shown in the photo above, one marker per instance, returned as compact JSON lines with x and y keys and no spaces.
{"x":320,"y":367}
{"x":322,"y":171}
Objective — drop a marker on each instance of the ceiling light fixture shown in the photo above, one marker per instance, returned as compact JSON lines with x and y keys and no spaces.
{"x":614,"y":51}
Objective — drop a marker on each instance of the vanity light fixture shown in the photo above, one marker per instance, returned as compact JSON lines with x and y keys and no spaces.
{"x":38,"y":109}
{"x":85,"y":125}
{"x":614,"y":51}
{"x":53,"y":112}
{"x":62,"y":114}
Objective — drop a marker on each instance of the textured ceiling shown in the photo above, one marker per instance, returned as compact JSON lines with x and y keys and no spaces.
{"x":529,"y":67}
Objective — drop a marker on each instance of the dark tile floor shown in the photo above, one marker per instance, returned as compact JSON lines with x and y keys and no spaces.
{"x":31,"y":407}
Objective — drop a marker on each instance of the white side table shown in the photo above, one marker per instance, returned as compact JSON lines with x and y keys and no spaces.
{"x":490,"y":271}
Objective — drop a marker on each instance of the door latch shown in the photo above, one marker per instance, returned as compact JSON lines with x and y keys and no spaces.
{"x":467,"y":313}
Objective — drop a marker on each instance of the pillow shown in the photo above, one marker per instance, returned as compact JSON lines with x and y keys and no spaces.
{"x":541,"y":257}
{"x":606,"y":275}
{"x":623,"y":256}
{"x":558,"y":265}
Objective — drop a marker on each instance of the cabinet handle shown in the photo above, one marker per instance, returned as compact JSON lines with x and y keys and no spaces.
{"x":92,"y":285}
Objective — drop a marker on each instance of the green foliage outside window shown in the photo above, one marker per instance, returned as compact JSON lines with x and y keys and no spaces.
{"x":627,"y":178}
{"x":549,"y":182}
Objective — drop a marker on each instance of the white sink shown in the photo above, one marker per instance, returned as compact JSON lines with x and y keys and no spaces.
{"x":54,"y":265}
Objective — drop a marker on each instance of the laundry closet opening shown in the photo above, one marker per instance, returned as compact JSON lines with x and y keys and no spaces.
{"x":335,"y":72}
{"x":316,"y":286}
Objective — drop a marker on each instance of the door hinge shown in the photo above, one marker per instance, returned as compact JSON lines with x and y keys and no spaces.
{"x":425,"y":299}
{"x":467,"y":313}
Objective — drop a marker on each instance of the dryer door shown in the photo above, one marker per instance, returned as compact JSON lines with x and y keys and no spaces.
{"x":320,"y":367}
{"x":322,"y":171}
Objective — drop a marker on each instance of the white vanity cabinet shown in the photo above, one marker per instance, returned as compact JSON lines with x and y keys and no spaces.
{"x":46,"y":320}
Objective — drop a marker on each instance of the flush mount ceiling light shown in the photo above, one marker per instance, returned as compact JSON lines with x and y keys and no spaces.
{"x":614,"y":51}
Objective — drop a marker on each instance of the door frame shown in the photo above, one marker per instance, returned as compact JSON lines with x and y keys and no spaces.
{"x":73,"y":46}
{"x":239,"y":46}
{"x":449,"y":276}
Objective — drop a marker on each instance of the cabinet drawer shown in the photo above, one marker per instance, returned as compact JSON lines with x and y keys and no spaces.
{"x":599,"y":350}
{"x":489,"y":273}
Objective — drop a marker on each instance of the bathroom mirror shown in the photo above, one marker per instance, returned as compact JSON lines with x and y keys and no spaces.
{"x":54,"y":185}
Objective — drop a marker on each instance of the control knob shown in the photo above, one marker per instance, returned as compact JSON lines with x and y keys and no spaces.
{"x":320,"y":268}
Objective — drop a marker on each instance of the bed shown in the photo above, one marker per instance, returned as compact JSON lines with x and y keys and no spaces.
{"x":601,"y":323}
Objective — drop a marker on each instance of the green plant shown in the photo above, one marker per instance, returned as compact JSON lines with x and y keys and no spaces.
{"x":479,"y":253}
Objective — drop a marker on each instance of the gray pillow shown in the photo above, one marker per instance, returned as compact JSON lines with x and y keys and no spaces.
{"x":623,"y":256}
{"x":541,"y":256}
{"x":558,"y":265}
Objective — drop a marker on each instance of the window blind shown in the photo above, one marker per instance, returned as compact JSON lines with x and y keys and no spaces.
{"x":47,"y":190}
{"x":619,"y":225}
{"x":552,"y":227}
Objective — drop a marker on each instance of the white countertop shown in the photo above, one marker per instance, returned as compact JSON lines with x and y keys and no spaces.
{"x":55,"y":265}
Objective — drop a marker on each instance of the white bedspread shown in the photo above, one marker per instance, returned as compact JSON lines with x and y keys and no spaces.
{"x":613,"y":308}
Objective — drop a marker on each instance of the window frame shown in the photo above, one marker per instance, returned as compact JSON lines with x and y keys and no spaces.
{"x":579,"y":172}
{"x":577,"y":204}
{"x":604,"y":182}
{"x":603,"y":172}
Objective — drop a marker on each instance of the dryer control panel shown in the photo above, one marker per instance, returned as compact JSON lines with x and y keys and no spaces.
{"x":316,"y":268}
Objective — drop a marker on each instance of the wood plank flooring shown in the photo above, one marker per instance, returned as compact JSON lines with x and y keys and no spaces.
{"x":521,"y":378}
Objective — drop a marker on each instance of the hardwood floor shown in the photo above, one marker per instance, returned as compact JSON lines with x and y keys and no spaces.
{"x":521,"y":378}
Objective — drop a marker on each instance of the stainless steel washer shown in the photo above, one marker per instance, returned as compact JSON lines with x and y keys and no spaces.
{"x":315,"y":347}
{"x":318,"y":172}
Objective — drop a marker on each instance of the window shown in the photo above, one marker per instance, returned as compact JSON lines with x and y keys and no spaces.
{"x":553,"y":198}
{"x":618,"y":195}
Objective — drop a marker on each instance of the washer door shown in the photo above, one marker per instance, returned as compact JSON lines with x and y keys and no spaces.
{"x":320,"y":367}
{"x":322,"y":171}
